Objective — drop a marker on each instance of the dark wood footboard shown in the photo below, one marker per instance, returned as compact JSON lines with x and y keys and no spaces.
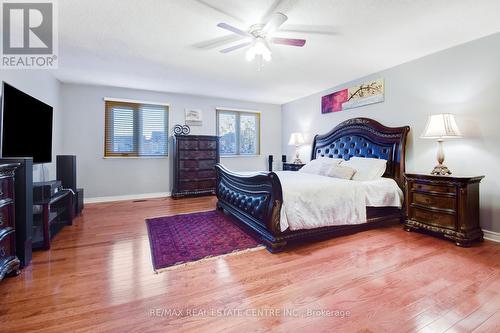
{"x":255,"y":200}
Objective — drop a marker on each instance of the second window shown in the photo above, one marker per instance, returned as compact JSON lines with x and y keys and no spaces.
{"x":239,"y":132}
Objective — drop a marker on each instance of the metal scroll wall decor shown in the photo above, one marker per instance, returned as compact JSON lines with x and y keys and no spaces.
{"x":181,"y":129}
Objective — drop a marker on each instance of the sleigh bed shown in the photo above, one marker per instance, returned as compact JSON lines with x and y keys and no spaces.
{"x":256,"y":200}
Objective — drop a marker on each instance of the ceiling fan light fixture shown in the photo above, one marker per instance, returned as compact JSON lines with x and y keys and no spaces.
{"x":258,"y":48}
{"x":261,"y":46}
{"x":250,"y":54}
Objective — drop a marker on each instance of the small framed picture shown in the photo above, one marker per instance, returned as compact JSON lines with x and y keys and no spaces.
{"x":194,"y":117}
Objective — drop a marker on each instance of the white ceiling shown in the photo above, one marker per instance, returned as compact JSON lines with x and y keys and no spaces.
{"x":155,"y":44}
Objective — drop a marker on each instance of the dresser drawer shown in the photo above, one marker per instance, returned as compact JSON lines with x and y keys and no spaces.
{"x":433,"y":188}
{"x":6,"y":213}
{"x":197,"y":164}
{"x":197,"y":185}
{"x":188,"y":144}
{"x":432,"y":218}
{"x":187,"y":185}
{"x":197,"y":154}
{"x":208,"y":144}
{"x":434,"y":201}
{"x":6,"y":188}
{"x":206,"y":184}
{"x":197,"y":174}
{"x":7,"y":243}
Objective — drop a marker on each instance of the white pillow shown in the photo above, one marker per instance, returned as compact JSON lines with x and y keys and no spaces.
{"x":366,"y":168}
{"x":329,"y":160}
{"x":320,"y":166}
{"x":341,"y":171}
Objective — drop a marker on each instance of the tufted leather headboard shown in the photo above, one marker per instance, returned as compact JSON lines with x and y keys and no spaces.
{"x":364,"y":137}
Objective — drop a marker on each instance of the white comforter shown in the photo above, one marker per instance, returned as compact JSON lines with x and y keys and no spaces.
{"x":312,"y":201}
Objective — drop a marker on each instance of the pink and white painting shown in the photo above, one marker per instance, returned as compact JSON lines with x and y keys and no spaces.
{"x":363,"y":94}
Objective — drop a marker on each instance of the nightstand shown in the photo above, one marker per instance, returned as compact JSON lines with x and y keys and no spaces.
{"x":292,"y":166}
{"x":447,"y":205}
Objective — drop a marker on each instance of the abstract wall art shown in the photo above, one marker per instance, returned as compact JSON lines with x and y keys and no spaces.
{"x":363,"y":94}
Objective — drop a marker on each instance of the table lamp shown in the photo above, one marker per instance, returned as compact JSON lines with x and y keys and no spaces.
{"x":296,"y":139}
{"x":440,"y":127}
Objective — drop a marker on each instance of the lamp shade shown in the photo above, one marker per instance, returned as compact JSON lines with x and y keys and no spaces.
{"x":441,"y":126}
{"x":296,"y":139}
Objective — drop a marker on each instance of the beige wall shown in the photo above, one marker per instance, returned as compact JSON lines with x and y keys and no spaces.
{"x":464,"y":80}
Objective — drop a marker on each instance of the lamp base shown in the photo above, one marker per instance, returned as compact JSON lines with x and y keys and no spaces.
{"x":441,"y":170}
{"x":297,"y":158}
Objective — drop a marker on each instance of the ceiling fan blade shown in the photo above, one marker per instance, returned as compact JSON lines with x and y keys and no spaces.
{"x":219,"y":10}
{"x":217,"y":42}
{"x":289,"y":41}
{"x":233,"y":29}
{"x":273,"y":8}
{"x":275,"y":21}
{"x":309,"y":29}
{"x":235,"y":47}
{"x":282,"y":6}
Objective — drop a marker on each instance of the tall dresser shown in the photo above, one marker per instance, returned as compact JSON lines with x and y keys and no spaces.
{"x":194,"y":158}
{"x":9,"y":263}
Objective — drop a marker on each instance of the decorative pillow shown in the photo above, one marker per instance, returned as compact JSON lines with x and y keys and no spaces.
{"x":320,"y":166}
{"x":341,"y":171}
{"x":366,"y":168}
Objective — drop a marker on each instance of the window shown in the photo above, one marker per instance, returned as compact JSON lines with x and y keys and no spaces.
{"x":239,"y":132}
{"x":135,"y":129}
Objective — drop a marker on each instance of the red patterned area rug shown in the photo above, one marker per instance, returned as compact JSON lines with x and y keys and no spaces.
{"x":189,"y":238}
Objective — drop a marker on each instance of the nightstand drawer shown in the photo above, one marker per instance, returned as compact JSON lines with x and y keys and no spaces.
{"x":433,"y":201}
{"x":433,"y":218}
{"x":292,"y":166}
{"x":433,"y":188}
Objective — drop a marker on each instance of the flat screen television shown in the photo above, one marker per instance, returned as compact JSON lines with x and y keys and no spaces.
{"x":25,"y":125}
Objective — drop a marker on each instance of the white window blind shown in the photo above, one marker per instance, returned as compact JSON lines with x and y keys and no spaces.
{"x":135,"y":130}
{"x":238,"y":132}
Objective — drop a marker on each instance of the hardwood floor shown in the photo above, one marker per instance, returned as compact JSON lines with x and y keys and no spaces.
{"x":98,"y":277}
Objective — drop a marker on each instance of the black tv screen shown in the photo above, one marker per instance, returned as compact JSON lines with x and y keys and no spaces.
{"x":26,"y":126}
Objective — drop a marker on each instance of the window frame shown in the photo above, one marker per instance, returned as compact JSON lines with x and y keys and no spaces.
{"x":109,"y":104}
{"x":238,"y":113}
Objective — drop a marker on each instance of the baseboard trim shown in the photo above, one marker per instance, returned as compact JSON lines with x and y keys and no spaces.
{"x":492,"y":236}
{"x":126,"y":197}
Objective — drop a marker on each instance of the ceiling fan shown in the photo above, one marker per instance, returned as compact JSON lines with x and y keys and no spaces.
{"x":259,"y":36}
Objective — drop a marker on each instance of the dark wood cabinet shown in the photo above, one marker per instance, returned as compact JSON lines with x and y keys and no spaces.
{"x":292,"y":166}
{"x":194,"y":159}
{"x":9,"y":263}
{"x":447,"y":205}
